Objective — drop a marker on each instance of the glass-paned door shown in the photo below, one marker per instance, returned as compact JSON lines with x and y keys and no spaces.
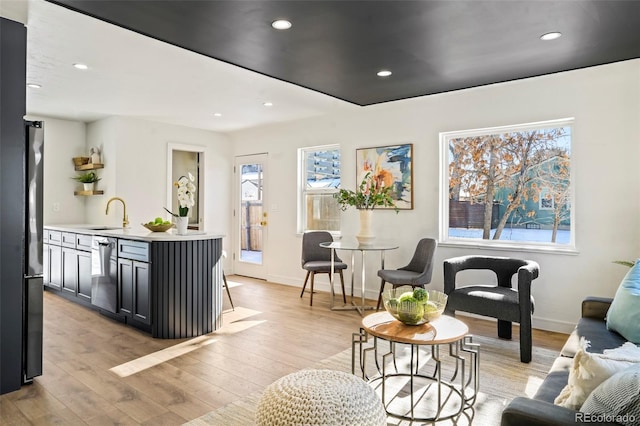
{"x":251,"y":219}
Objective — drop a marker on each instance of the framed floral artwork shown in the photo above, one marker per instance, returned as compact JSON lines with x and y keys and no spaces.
{"x":392,"y":165}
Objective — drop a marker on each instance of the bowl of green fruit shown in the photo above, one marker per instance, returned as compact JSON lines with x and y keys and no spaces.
{"x":158,"y":225}
{"x":414,"y":306}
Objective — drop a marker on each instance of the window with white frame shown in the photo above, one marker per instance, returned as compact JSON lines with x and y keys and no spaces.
{"x":319,"y":179}
{"x":508,"y":186}
{"x":546,"y":201}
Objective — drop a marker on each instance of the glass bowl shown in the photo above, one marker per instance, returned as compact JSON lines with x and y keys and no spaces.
{"x":158,"y":228}
{"x":414,"y":306}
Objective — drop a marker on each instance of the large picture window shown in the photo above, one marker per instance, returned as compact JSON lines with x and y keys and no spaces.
{"x":508,"y":186}
{"x":319,"y":171}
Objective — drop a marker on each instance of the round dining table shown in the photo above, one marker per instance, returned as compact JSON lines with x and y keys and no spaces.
{"x":354,"y":246}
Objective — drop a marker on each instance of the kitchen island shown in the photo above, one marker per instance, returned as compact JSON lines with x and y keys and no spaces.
{"x":167,"y":284}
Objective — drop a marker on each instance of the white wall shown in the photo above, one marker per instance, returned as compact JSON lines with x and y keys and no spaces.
{"x":63,"y":140}
{"x":605,"y":102}
{"x":134,"y":153}
{"x":135,"y":156}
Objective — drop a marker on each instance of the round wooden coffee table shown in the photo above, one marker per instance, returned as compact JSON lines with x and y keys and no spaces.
{"x":399,"y":374}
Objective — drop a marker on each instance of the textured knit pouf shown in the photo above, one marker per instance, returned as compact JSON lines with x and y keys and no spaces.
{"x":320,"y":397}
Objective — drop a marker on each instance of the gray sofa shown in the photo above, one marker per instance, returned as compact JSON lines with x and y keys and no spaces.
{"x":540,"y":410}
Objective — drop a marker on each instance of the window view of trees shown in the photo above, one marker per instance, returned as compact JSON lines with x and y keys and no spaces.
{"x":513,"y":184}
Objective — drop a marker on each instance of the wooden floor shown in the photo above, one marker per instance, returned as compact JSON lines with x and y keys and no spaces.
{"x":271,"y":333}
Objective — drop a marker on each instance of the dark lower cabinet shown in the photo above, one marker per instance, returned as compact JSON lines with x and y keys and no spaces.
{"x":141,"y":293}
{"x":52,"y":266}
{"x":46,"y":263}
{"x":172,"y":289}
{"x":133,"y":285}
{"x":69,"y":270}
{"x":125,"y":286}
{"x":84,"y":275}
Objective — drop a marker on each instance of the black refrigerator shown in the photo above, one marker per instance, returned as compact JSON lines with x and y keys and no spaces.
{"x":32,"y":299}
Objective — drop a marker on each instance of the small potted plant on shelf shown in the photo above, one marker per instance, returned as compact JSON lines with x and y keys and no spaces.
{"x":88,"y":179}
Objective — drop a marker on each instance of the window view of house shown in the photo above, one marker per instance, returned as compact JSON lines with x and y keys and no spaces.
{"x":510,"y":184}
{"x":319,"y":180}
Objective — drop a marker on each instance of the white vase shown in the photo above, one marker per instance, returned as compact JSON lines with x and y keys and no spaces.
{"x":89,"y":186}
{"x":366,"y":236}
{"x":181,"y":225}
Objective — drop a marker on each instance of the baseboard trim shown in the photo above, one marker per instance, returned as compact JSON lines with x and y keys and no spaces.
{"x":537,"y":323}
{"x":322,"y":284}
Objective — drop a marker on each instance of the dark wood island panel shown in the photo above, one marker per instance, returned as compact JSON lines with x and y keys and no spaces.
{"x":186,"y":291}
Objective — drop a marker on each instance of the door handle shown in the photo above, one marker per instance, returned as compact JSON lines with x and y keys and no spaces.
{"x":263,"y":223}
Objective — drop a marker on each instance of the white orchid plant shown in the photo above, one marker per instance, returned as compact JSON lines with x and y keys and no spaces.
{"x":186,"y":195}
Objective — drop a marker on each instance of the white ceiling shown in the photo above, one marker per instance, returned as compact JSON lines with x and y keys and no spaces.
{"x":136,"y":76}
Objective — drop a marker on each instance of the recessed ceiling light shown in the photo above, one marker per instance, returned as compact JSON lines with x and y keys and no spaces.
{"x":81,"y":66}
{"x":34,"y":86}
{"x":281,"y":24}
{"x":550,"y":36}
{"x":268,"y":104}
{"x":384,"y":73}
{"x":217,"y":114}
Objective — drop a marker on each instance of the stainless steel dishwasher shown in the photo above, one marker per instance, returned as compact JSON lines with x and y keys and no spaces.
{"x":104,"y":273}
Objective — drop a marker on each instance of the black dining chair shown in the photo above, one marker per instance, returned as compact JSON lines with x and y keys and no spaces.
{"x":416,"y":274}
{"x":317,"y":260}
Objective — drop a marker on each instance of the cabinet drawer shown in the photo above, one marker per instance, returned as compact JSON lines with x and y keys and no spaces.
{"x":83,"y":242}
{"x":68,"y":240}
{"x":135,"y":250}
{"x":54,"y":237}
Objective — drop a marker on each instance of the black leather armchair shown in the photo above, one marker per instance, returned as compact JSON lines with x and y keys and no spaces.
{"x":500,"y":301}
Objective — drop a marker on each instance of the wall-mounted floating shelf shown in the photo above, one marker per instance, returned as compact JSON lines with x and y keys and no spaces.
{"x":88,"y":192}
{"x":90,"y":166}
{"x":84,"y":168}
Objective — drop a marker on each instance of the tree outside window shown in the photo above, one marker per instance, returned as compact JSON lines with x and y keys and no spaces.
{"x":319,"y":179}
{"x":509,"y":184}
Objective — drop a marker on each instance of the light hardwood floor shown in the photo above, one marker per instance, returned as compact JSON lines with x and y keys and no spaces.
{"x":271,"y":333}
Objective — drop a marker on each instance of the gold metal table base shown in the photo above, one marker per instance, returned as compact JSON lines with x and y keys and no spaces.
{"x":410,"y":392}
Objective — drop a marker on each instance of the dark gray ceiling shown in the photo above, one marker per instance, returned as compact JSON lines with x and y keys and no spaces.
{"x":336,"y":47}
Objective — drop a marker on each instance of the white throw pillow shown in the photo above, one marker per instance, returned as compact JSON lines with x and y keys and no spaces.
{"x":590,"y":369}
{"x":618,"y":398}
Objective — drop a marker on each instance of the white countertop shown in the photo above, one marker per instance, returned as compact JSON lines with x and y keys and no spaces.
{"x":134,"y":233}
